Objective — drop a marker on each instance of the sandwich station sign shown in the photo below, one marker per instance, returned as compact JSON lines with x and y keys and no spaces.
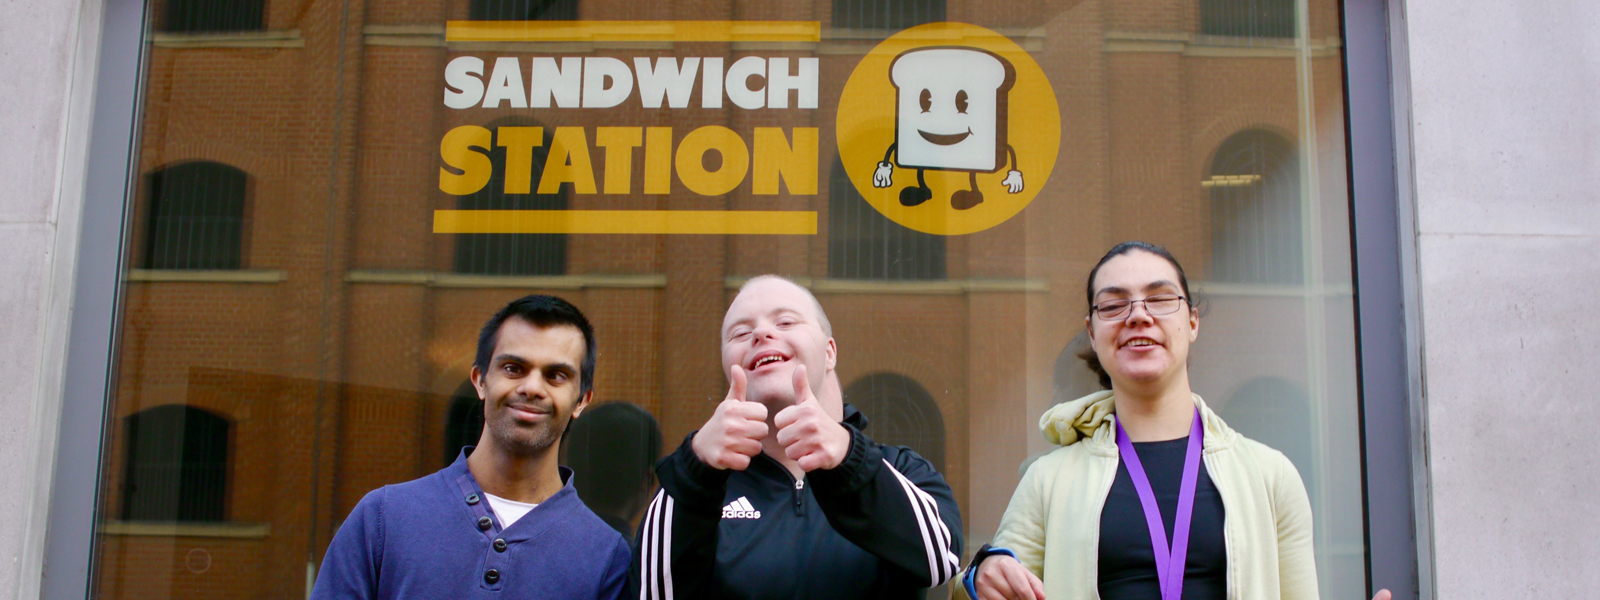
{"x":924,"y":127}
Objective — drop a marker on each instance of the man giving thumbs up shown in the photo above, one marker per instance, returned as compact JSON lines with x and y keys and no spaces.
{"x":780,"y":494}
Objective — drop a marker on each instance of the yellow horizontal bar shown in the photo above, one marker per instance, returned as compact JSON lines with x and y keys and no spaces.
{"x":633,"y":31}
{"x":713,"y":222}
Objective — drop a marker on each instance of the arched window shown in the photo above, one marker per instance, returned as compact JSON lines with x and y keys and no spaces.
{"x":1255,"y":210}
{"x":523,"y":10}
{"x":206,"y":16}
{"x":612,"y":449}
{"x":1248,"y":18}
{"x":900,"y":413}
{"x":513,"y":253}
{"x":464,"y":424}
{"x":177,"y":465}
{"x":886,"y":14}
{"x":863,"y":244}
{"x":196,"y":217}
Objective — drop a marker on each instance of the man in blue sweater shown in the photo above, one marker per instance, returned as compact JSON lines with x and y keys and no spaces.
{"x":503,"y":521}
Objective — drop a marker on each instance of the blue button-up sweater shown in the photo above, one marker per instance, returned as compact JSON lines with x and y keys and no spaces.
{"x":436,"y":537}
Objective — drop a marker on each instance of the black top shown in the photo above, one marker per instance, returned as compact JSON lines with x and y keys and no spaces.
{"x":881,"y":525}
{"x":1127,"y":561}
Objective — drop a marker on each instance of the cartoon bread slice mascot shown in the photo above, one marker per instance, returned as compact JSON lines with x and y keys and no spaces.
{"x":950,"y":115}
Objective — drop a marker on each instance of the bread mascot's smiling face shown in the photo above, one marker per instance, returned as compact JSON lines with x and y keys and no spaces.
{"x":951,"y":108}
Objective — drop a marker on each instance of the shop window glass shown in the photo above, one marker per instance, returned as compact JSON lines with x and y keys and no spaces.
{"x":1073,"y":379}
{"x":206,"y":16}
{"x":346,"y":373}
{"x":512,"y":253}
{"x":862,"y":244}
{"x":900,"y":413}
{"x":1248,"y":18}
{"x":524,"y":10}
{"x":177,"y":465}
{"x":1275,"y":412}
{"x":464,"y":423}
{"x":1255,"y":210}
{"x":886,"y":14}
{"x":196,"y":217}
{"x":612,"y":449}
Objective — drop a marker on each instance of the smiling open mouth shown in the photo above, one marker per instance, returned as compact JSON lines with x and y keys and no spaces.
{"x":947,"y":139}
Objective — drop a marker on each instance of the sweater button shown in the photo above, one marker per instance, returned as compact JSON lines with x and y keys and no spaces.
{"x":491,"y":576}
{"x":485,"y":523}
{"x":472,"y":498}
{"x":499,"y":545}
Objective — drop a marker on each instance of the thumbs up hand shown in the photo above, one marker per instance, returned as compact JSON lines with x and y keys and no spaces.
{"x":733,"y":435}
{"x":808,"y":435}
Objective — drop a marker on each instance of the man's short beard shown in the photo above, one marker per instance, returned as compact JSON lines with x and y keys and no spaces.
{"x":509,"y":439}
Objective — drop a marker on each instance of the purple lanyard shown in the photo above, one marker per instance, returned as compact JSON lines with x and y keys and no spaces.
{"x":1169,"y":565}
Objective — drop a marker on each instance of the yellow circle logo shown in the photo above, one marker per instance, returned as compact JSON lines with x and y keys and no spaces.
{"x":948,"y":128}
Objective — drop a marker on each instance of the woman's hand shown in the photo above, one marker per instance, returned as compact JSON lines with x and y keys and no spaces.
{"x":1382,"y":595}
{"x":1001,"y":577}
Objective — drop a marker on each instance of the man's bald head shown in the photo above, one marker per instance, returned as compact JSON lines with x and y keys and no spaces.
{"x":822,"y":316}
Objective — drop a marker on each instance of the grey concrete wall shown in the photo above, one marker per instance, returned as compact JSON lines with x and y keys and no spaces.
{"x":1506,"y":132}
{"x":42,"y":126}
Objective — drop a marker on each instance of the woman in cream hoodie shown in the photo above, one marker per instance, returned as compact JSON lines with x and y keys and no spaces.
{"x":1250,"y":532}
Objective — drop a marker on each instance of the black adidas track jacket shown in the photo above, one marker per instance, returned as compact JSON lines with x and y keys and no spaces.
{"x":883,"y":524}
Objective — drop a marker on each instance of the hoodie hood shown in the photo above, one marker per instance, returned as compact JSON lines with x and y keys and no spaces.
{"x":1093,"y":416}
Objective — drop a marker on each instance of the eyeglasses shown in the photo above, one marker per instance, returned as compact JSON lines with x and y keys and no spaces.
{"x":1119,"y":309}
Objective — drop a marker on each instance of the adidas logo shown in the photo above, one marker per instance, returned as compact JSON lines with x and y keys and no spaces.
{"x":740,"y":509}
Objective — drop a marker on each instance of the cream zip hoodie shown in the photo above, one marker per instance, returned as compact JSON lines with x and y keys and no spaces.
{"x":1053,"y":522}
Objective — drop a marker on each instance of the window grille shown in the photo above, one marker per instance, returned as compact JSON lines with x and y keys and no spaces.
{"x":886,"y":14}
{"x":1248,"y":18}
{"x":1255,"y":210}
{"x":196,"y":217}
{"x":524,"y":10}
{"x":512,"y":253}
{"x":864,"y":244}
{"x":205,"y":16}
{"x":177,"y":465}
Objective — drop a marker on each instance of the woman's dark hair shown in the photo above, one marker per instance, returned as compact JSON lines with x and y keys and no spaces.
{"x":1092,"y":360}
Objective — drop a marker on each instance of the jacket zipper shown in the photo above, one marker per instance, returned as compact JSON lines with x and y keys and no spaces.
{"x":799,"y":501}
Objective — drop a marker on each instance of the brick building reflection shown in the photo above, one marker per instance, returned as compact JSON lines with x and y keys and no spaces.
{"x":287,"y":290}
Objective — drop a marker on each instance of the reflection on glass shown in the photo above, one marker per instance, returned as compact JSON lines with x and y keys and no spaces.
{"x":1255,"y":210}
{"x":207,"y":16}
{"x":177,"y":465}
{"x":863,"y":244}
{"x":514,"y":253}
{"x":294,"y":334}
{"x":612,"y":449}
{"x":197,"y":217}
{"x":900,"y":413}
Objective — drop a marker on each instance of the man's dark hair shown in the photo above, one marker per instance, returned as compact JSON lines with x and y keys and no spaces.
{"x":541,"y":311}
{"x":1091,"y":359}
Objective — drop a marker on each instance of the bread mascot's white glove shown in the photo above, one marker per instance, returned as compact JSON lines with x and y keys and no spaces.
{"x":1013,"y":181}
{"x":884,"y":176}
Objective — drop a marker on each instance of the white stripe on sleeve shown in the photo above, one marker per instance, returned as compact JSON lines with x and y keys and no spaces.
{"x":935,"y":534}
